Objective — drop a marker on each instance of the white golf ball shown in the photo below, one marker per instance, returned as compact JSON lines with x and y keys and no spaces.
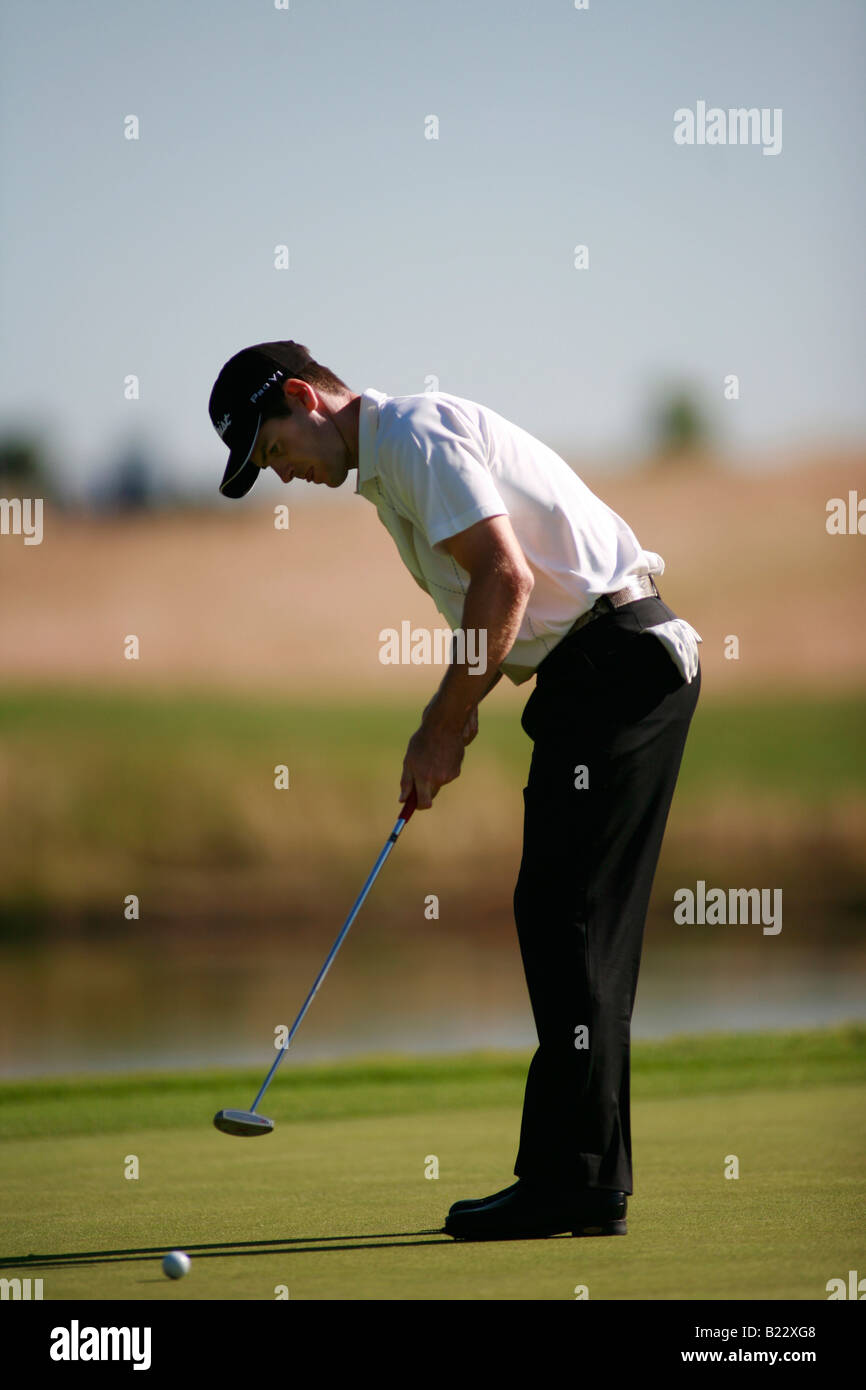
{"x":176,"y":1264}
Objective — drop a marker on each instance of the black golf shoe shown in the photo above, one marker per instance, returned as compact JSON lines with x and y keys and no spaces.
{"x":468,"y":1203}
{"x":525,"y":1211}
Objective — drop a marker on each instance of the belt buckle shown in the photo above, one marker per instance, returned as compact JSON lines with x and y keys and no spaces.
{"x":604,"y":603}
{"x":642,"y":586}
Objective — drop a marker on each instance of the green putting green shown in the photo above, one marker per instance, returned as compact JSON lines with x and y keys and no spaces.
{"x":337,"y":1204}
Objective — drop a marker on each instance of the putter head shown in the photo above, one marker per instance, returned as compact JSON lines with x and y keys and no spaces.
{"x":244,"y":1122}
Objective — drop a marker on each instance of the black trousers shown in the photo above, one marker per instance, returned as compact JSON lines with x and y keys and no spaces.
{"x":609,"y":699}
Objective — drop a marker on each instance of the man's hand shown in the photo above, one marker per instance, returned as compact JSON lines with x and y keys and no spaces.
{"x":433,"y":758}
{"x":496,"y":598}
{"x":470,"y":728}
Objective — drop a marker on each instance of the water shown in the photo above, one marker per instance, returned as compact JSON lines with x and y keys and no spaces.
{"x":193,"y":998}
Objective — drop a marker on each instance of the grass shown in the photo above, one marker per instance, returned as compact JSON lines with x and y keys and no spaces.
{"x":335,"y":1204}
{"x":111,"y":788}
{"x":707,"y":1064}
{"x":812,"y":748}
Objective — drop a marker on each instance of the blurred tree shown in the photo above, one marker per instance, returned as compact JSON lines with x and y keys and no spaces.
{"x":23,"y":469}
{"x":131,"y":488}
{"x":130,"y":483}
{"x":680,"y":429}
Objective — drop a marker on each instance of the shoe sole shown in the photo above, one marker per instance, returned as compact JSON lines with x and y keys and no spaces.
{"x":608,"y":1228}
{"x":468,"y":1204}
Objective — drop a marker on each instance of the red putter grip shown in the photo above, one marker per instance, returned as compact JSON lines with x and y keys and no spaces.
{"x":409,"y":805}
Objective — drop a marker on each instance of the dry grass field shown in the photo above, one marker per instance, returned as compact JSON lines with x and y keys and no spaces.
{"x":221,"y":598}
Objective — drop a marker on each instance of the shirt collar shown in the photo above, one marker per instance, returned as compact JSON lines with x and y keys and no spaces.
{"x":368,"y":426}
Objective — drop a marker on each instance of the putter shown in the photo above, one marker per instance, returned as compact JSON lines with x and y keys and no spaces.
{"x":247,"y":1122}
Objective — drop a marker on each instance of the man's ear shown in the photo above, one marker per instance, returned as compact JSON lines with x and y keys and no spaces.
{"x":301,"y":391}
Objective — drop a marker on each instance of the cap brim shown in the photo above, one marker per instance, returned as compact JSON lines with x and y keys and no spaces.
{"x":240,"y":473}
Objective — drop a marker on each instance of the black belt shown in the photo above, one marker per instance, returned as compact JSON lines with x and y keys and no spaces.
{"x":642,"y":586}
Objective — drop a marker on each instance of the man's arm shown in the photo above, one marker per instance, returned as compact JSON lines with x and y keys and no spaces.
{"x":470,"y":728}
{"x":499,"y":588}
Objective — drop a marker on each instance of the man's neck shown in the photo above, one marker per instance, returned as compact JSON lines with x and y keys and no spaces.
{"x":345,"y":412}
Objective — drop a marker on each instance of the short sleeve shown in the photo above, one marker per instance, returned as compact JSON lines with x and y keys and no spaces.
{"x":433,"y":464}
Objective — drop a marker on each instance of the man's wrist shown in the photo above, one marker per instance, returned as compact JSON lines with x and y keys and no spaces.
{"x":451,"y":706}
{"x":444,"y":716}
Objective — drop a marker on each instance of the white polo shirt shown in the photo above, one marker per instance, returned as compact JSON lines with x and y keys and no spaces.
{"x":435,"y":464}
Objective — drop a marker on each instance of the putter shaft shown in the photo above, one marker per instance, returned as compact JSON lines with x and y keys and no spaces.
{"x":408,"y":808}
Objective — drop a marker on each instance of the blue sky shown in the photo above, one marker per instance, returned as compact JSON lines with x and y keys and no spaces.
{"x":412,"y":257}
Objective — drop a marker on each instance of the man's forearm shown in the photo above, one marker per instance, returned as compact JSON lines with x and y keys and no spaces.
{"x":484,"y":683}
{"x":494,"y":605}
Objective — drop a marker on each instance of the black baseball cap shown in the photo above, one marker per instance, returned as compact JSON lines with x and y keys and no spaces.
{"x":235,"y":404}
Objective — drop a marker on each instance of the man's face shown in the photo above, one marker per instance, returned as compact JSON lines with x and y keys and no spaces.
{"x":305,"y":444}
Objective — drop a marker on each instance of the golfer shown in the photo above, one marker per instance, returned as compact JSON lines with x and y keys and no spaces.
{"x":509,"y":542}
